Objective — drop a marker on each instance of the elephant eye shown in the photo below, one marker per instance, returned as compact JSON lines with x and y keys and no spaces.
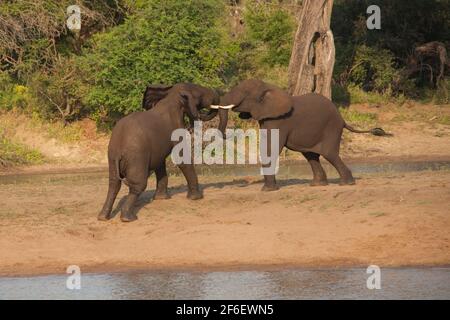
{"x":263,"y":95}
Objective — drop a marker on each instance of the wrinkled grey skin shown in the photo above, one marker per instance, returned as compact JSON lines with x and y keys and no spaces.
{"x":310,"y":124}
{"x":141,"y":141}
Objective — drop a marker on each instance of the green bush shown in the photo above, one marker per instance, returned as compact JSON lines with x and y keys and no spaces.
{"x":13,"y":153}
{"x":442,"y":95}
{"x":164,"y":42}
{"x":358,"y":95}
{"x":58,"y":93}
{"x":379,"y":60}
{"x":373,"y":69}
{"x":12,"y":95}
{"x":272,"y":27}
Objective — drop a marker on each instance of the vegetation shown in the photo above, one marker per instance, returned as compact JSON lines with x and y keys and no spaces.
{"x":101,"y":71}
{"x":381,"y":60}
{"x":361,"y":119}
{"x":270,"y":28}
{"x":13,"y":153}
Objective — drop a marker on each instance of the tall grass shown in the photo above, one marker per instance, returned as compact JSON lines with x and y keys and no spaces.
{"x":13,"y":153}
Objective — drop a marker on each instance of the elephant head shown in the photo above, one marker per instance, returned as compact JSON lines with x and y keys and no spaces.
{"x":256,"y":99}
{"x":194,"y":97}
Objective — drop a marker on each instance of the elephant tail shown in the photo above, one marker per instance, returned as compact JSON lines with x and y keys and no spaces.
{"x":117,"y":163}
{"x":374,"y":131}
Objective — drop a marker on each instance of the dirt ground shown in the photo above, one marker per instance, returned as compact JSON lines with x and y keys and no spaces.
{"x":390,"y":219}
{"x":418,"y":130}
{"x":396,"y":219}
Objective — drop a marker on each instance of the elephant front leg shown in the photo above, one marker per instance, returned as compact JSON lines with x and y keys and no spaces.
{"x":271,"y":144}
{"x":161,"y":183}
{"x":270,"y":183}
{"x":194,"y":192}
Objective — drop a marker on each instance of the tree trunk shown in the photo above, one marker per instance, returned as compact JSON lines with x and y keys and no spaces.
{"x":313,"y":53}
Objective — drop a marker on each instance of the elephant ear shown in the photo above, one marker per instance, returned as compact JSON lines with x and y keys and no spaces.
{"x":273,"y":103}
{"x":153,"y":94}
{"x":191,"y":102}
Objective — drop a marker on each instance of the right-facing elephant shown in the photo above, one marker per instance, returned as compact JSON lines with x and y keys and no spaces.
{"x":310,"y":124}
{"x":141,"y":142}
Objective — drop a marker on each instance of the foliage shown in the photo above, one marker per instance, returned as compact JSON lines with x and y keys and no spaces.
{"x":272,"y":27}
{"x":377,"y":60}
{"x":403,"y":23}
{"x":442,"y":94}
{"x":124,"y":45}
{"x":363,"y":119}
{"x":373,"y":69}
{"x":358,"y":95}
{"x":33,"y":33}
{"x":263,"y":49}
{"x":13,"y":153}
{"x":165,"y":42}
{"x":12,"y":95}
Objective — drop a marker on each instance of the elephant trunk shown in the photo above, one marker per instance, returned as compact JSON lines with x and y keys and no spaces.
{"x":208,"y":116}
{"x":223,"y":120}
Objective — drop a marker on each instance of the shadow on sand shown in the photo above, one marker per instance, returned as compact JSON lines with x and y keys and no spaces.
{"x":147,"y":196}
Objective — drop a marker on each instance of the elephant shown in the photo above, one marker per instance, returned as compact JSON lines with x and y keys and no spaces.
{"x":310,"y":124}
{"x":141,"y":141}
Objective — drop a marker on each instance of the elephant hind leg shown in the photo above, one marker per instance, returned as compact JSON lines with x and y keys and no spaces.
{"x":113,"y":189}
{"x":319,"y":175}
{"x":161,"y":183}
{"x":137,"y":182}
{"x":344,"y":172}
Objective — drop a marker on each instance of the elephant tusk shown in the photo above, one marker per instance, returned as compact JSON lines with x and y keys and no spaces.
{"x":231,"y":106}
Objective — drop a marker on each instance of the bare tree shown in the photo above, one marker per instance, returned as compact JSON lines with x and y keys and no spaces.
{"x":313,"y":52}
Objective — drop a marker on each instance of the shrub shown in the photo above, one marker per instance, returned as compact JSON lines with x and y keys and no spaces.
{"x":373,"y":69}
{"x":58,"y":93}
{"x":164,"y":42}
{"x":15,"y":153}
{"x":12,"y":95}
{"x":272,"y":27}
{"x":33,"y":33}
{"x":442,"y":95}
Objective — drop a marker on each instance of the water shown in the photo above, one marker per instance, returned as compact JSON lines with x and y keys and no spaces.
{"x":288,"y":169}
{"x":396,"y":283}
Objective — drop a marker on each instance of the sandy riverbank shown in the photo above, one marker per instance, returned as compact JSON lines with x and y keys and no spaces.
{"x":391,"y":219}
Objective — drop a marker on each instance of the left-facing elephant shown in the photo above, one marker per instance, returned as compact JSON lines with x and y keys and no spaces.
{"x":141,"y":141}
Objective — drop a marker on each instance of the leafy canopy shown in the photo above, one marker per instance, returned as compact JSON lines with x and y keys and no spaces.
{"x":164,"y":42}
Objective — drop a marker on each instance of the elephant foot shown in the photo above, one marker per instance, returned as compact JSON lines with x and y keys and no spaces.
{"x":347,"y":182}
{"x":103,"y":216}
{"x":161,"y":196}
{"x":130,"y":217}
{"x":194,"y":195}
{"x":318,"y":183}
{"x":267,"y":188}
